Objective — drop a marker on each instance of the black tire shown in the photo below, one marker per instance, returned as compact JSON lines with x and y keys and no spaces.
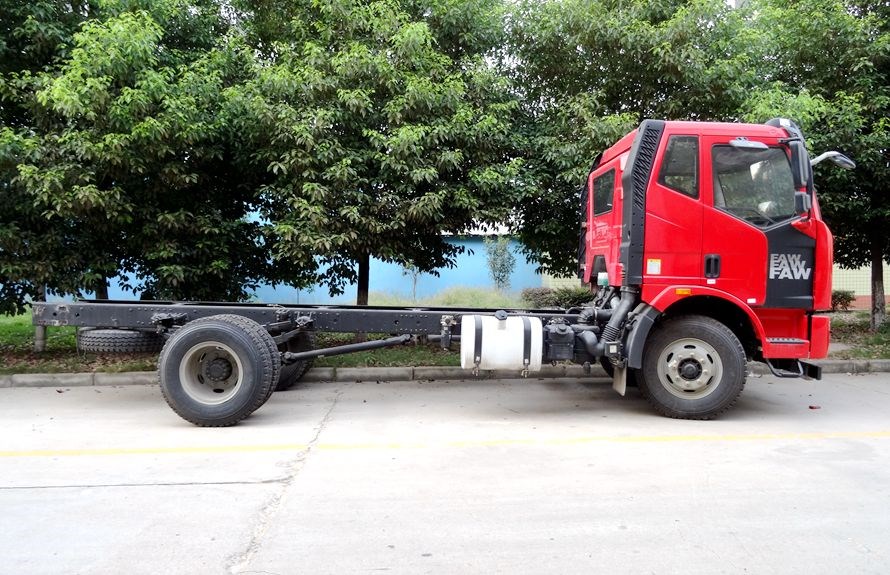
{"x":249,"y":324}
{"x":292,"y":373}
{"x":216,"y":371}
{"x":118,"y":341}
{"x":693,"y":368}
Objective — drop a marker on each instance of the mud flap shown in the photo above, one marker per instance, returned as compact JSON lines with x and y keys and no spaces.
{"x":619,"y":381}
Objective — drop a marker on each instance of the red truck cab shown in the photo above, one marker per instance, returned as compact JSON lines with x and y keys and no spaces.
{"x":717,"y":219}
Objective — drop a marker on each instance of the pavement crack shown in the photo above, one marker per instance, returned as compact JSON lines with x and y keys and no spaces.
{"x":237,"y":563}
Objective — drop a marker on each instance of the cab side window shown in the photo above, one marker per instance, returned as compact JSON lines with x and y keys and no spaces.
{"x":679,"y":169}
{"x":603,"y":192}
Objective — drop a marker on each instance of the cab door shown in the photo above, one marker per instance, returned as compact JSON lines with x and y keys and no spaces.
{"x":750,"y":247}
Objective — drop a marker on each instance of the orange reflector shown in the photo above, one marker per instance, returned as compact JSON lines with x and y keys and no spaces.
{"x":683,"y":291}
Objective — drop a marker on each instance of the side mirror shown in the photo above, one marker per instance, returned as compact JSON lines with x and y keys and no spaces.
{"x":803,"y":203}
{"x":836,"y":158}
{"x":800,"y":163}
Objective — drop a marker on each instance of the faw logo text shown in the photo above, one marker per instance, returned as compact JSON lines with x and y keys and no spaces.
{"x":788,"y":267}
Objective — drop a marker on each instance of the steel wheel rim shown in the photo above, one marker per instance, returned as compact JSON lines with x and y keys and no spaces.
{"x":690,"y":368}
{"x":211,"y":373}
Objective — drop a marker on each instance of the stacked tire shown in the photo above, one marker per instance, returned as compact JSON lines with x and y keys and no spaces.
{"x":97,"y":340}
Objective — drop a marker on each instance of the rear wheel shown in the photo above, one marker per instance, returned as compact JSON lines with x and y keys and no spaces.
{"x":693,"y":368}
{"x":216,"y":371}
{"x":267,"y":341}
{"x":292,"y":373}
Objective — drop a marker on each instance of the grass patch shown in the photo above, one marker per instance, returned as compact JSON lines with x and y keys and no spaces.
{"x":414,"y":354}
{"x":74,"y":362}
{"x":17,"y":335}
{"x":61,"y":355}
{"x":466,"y":297}
{"x":854,"y":329}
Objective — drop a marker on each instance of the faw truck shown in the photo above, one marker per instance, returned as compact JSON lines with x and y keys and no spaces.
{"x":703,"y":245}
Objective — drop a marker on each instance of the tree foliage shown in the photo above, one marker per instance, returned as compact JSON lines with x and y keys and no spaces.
{"x":830,"y":70}
{"x":199,"y":148}
{"x":132,"y":164}
{"x":382,"y":132}
{"x":589,"y":72}
{"x":32,"y":250}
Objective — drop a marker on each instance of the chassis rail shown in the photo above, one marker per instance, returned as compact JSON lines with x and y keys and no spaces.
{"x":275,"y":317}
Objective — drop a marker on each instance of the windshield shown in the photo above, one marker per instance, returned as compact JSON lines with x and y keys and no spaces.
{"x":754,"y":185}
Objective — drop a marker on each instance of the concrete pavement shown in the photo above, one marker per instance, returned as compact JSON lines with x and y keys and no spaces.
{"x":492,"y":476}
{"x":426,"y":373}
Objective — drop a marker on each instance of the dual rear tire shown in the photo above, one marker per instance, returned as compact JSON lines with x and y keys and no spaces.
{"x":292,"y":373}
{"x":216,"y":371}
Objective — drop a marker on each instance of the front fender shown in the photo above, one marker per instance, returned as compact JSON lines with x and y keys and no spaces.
{"x":670,"y":296}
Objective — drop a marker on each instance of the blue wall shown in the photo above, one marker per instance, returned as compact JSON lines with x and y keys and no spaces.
{"x":471,"y":270}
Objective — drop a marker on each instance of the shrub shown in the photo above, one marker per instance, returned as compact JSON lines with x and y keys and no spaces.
{"x":539,"y":297}
{"x":841,"y":299}
{"x":564,"y":297}
{"x":572,"y":296}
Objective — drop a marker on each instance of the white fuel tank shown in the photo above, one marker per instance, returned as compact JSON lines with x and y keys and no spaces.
{"x":503,"y":342}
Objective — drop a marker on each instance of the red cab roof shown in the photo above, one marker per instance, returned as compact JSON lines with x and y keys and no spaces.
{"x":729,"y":129}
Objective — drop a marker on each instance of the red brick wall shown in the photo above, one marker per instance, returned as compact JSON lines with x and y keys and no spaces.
{"x":864,"y":302}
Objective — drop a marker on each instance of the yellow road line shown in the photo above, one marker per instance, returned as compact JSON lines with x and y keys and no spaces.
{"x":389,"y":446}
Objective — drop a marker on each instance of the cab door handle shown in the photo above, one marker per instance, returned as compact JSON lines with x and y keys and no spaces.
{"x":712,"y":266}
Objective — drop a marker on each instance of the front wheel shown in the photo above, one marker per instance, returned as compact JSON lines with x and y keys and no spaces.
{"x":693,"y":368}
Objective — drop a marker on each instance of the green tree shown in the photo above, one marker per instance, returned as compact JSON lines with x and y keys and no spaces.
{"x":830,"y":70}
{"x":501,"y":261}
{"x":411,"y":271}
{"x":135,"y":164}
{"x":33,"y":250}
{"x":383,"y":131}
{"x":589,"y":72}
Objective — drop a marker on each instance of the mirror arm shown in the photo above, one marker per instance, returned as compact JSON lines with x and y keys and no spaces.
{"x":819,"y":158}
{"x":837,"y":158}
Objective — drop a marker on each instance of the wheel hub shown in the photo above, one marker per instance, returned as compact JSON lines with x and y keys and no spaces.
{"x":219,"y":369}
{"x":689,"y":368}
{"x":211,"y":372}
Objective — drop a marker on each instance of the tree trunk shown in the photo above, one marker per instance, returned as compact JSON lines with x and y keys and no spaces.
{"x":40,"y":330}
{"x":102,"y":290}
{"x":364,"y":268}
{"x":878,"y":304}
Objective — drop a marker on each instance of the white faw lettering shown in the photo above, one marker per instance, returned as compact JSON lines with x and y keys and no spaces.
{"x":788,"y":267}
